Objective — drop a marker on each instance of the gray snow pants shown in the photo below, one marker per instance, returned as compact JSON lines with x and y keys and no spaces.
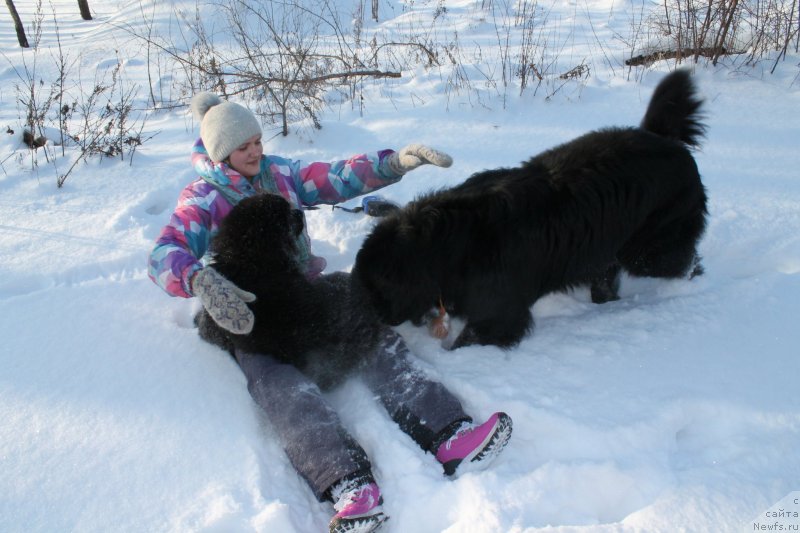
{"x":309,"y":429}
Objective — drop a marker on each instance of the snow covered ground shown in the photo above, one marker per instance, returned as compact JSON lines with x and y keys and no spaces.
{"x":676,"y":408}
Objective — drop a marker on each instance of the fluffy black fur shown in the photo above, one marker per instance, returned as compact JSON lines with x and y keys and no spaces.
{"x":576,"y":214}
{"x":323,"y":326}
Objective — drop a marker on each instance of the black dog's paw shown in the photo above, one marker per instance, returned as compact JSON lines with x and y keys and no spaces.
{"x":697,"y":268}
{"x":603,"y":293}
{"x":605,"y":288}
{"x":505,"y":329}
{"x":467,"y":337}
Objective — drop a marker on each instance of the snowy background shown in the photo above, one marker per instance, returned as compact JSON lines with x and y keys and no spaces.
{"x":676,"y":408}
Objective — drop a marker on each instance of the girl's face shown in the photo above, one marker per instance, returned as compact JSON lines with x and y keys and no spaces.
{"x":246,"y":159}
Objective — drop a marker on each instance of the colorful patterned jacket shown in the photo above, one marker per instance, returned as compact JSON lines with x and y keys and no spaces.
{"x":183,"y":242}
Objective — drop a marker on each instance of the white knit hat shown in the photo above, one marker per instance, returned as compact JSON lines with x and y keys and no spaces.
{"x":224,"y":126}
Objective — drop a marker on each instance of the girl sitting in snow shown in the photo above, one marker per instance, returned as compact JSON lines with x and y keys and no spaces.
{"x":231,"y":166}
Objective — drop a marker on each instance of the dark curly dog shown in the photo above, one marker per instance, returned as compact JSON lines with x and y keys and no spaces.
{"x":574,"y":215}
{"x":322,"y":326}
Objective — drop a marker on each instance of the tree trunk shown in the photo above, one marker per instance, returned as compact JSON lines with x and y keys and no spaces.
{"x":84,"y":5}
{"x":23,"y":41}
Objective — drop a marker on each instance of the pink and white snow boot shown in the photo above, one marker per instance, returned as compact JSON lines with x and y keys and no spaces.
{"x":472,"y":447}
{"x":358,"y":503}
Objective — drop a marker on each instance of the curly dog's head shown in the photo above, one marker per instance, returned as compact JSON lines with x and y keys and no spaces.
{"x":260,"y":233}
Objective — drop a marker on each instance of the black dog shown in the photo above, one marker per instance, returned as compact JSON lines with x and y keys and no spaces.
{"x":576,"y":214}
{"x":323,"y":326}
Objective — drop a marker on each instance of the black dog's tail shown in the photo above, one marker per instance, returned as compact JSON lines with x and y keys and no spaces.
{"x":674,"y":110}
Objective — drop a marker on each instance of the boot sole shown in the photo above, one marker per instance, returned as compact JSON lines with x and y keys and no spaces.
{"x":486,"y":453}
{"x":360,"y":524}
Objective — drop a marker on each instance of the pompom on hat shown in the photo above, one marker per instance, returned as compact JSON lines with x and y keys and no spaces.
{"x":224,"y":126}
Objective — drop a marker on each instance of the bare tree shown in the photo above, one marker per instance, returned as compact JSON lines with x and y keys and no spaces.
{"x":84,"y":6}
{"x":285,"y":57}
{"x":23,"y":40}
{"x":715,"y":28}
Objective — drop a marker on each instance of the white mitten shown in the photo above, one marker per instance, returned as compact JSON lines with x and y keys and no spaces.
{"x":224,"y":301}
{"x":414,"y":155}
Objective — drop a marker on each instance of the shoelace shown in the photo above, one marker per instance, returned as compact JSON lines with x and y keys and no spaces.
{"x":353,"y":495}
{"x":463,"y":429}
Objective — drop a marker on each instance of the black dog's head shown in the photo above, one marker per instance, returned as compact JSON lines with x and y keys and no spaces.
{"x":259,"y":234}
{"x":393,"y":267}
